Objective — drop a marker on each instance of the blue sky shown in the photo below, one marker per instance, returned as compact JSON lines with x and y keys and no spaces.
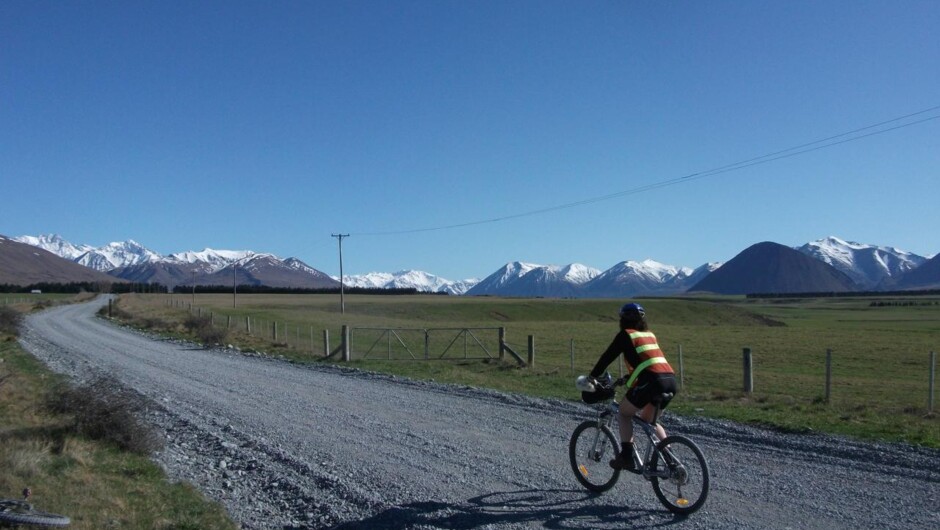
{"x":271,"y":125}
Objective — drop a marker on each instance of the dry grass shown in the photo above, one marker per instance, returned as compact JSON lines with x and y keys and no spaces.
{"x":95,"y":483}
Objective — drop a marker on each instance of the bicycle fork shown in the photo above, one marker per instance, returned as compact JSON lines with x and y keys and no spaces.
{"x":597,"y":445}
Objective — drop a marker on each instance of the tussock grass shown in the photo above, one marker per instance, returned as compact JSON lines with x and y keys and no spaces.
{"x":103,"y":410}
{"x":204,"y":330}
{"x":10,"y":320}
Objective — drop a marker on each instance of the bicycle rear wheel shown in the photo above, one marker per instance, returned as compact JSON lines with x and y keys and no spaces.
{"x":679,"y":474}
{"x":591,"y":448}
{"x":20,"y":512}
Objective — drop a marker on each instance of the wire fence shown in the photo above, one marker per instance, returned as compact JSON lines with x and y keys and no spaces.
{"x":832,"y":375}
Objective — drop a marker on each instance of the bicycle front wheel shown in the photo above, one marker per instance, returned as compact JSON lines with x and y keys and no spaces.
{"x":19,"y":512}
{"x":592,"y":447}
{"x":679,"y":474}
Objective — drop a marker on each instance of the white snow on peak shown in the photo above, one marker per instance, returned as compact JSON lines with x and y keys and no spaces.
{"x":578,"y":274}
{"x":408,"y":279}
{"x":867,"y":265}
{"x":209,"y":255}
{"x":519,"y":268}
{"x":56,"y":244}
{"x":116,"y":255}
{"x":653,"y":270}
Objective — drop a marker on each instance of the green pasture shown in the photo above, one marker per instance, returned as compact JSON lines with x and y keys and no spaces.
{"x":880,"y":353}
{"x":27,"y":299}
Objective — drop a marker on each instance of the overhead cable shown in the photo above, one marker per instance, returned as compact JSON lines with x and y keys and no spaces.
{"x":824,"y":143}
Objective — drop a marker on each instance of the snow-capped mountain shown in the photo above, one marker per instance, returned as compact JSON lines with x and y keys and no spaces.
{"x":518,"y":278}
{"x":647,"y":277}
{"x":215,"y":259}
{"x":867,"y":265}
{"x":270,"y":271}
{"x":509,"y":274}
{"x":459,"y":287}
{"x":132,"y":261}
{"x":55,"y":244}
{"x":578,"y":274}
{"x":411,"y":279}
{"x":115,"y":255}
{"x":104,"y":259}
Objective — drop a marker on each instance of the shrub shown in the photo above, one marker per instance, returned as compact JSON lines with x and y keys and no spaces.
{"x":154,"y":323}
{"x":42,"y":304}
{"x":10,"y":320}
{"x":103,"y":410}
{"x":205,"y":332}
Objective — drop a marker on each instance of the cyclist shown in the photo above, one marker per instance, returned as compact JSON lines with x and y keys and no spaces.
{"x":650,"y":376}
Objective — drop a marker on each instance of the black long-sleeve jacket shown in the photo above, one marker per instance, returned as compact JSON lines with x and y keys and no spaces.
{"x":620,"y":345}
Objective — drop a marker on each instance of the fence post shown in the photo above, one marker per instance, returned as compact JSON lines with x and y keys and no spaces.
{"x":531,"y":351}
{"x":427,"y":345}
{"x":933,"y":373}
{"x":681,"y":370}
{"x":748,"y":371}
{"x":571,"y":349}
{"x":345,"y":343}
{"x":109,"y":308}
{"x":228,"y":323}
{"x":326,"y":343}
{"x":828,"y":374}
{"x":502,"y":342}
{"x":248,"y":324}
{"x":274,"y":327}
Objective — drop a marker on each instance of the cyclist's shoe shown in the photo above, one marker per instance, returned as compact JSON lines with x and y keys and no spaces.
{"x":625,"y":461}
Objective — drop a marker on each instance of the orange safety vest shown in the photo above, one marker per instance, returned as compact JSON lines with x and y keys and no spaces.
{"x":651,"y":356}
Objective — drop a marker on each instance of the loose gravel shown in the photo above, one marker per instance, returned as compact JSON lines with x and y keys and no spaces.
{"x":282,"y":445}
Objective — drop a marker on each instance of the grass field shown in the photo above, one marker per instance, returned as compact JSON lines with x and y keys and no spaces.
{"x":881,"y":354}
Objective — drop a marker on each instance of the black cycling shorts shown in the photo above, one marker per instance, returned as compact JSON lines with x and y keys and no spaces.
{"x":652,"y":388}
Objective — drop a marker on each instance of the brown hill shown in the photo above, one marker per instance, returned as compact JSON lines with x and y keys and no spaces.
{"x":260,"y":269}
{"x":774,"y":268}
{"x":267,"y":270}
{"x":22,"y":264}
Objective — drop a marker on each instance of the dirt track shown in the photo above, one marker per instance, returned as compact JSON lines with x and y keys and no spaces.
{"x":287,"y":446}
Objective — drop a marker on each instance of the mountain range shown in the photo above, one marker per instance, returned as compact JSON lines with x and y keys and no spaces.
{"x":133,"y":262}
{"x":24,"y":264}
{"x":830,"y":265}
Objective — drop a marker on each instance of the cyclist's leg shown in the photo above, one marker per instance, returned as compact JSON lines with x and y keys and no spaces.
{"x":625,"y":420}
{"x":647,"y":415}
{"x":644,"y":398}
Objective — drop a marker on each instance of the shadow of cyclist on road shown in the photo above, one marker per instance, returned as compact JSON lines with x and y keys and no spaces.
{"x":561,"y":509}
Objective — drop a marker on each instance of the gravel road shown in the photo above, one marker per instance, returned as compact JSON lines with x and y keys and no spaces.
{"x":289,"y":446}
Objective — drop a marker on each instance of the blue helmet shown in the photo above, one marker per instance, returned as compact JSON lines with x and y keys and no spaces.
{"x":632,"y":310}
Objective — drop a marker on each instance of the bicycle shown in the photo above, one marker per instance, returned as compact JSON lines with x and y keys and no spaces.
{"x":675,"y":466}
{"x":15,"y":513}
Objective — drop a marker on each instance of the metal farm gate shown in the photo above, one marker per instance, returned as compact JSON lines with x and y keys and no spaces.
{"x":407,"y":344}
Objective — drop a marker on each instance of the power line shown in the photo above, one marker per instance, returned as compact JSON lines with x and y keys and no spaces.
{"x":342,"y":285}
{"x":816,"y":145}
